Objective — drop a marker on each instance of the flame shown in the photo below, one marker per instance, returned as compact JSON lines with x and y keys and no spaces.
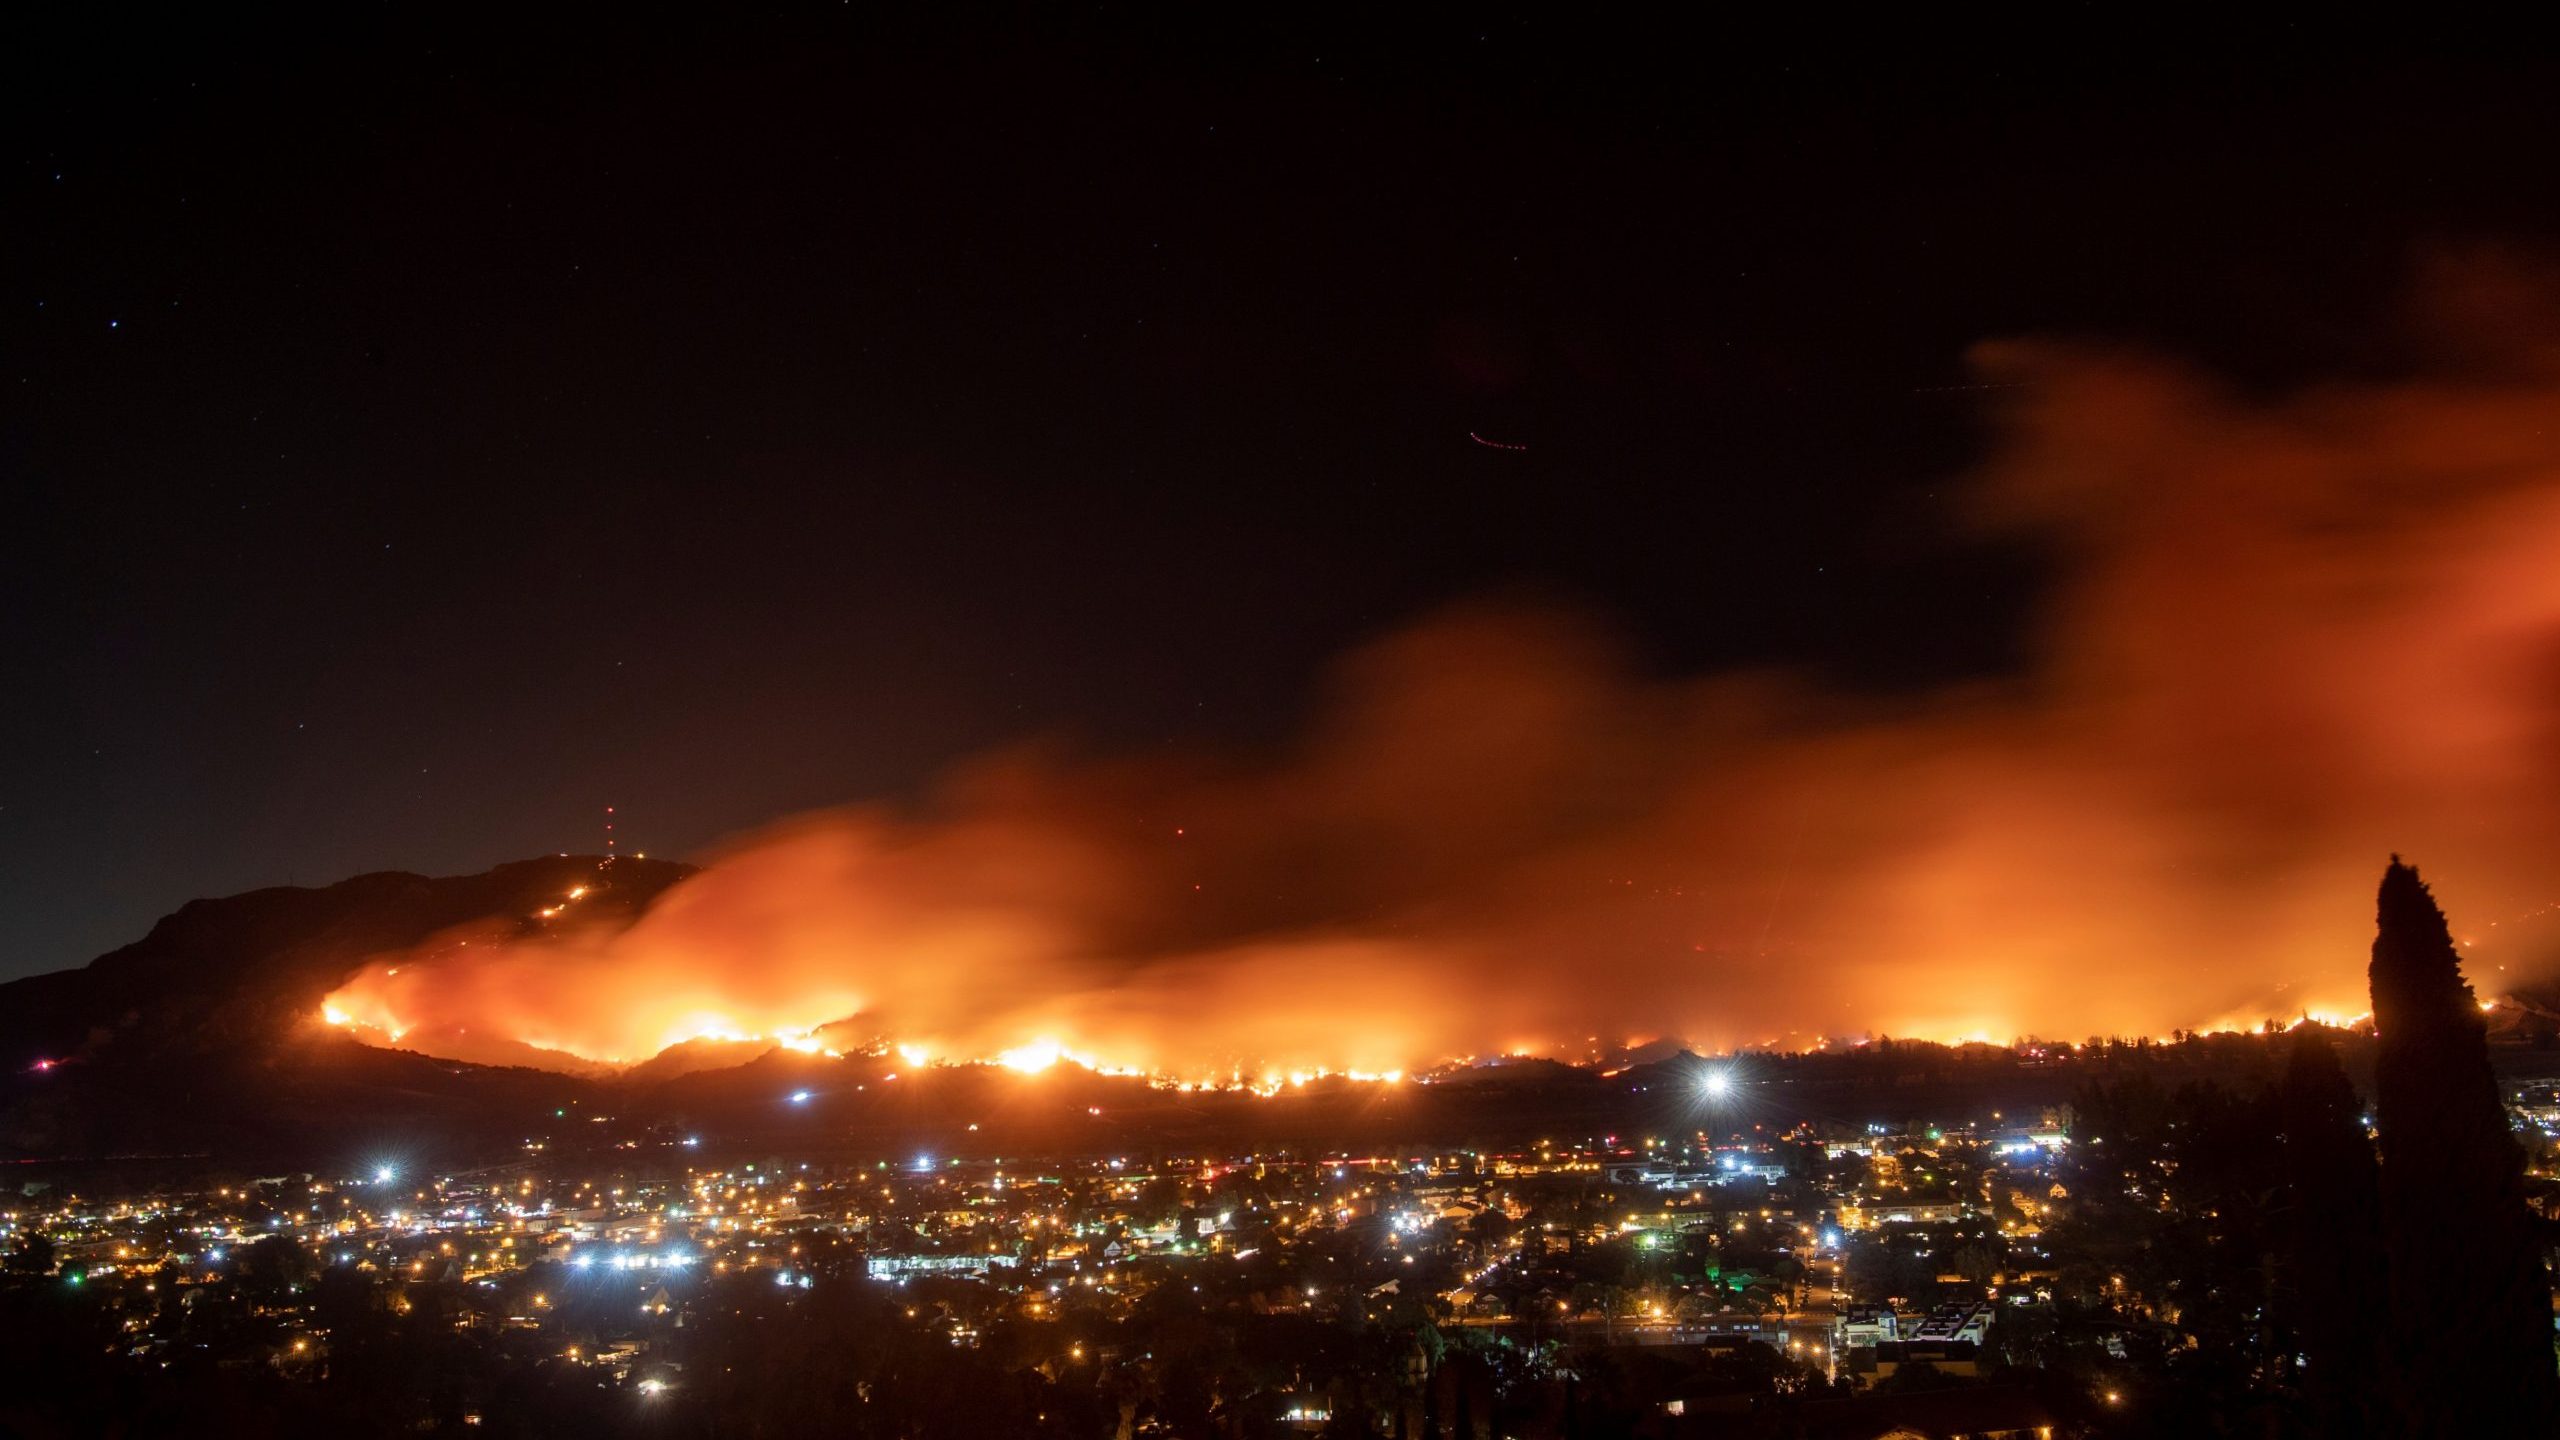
{"x":1031,"y":1059}
{"x":2287,"y":635}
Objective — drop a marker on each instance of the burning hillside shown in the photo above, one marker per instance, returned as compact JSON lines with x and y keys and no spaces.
{"x":2290,"y":635}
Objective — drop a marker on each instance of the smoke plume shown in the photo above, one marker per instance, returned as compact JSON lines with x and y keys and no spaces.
{"x":2288,"y":636}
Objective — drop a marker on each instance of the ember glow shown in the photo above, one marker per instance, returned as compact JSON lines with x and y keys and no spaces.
{"x":2289,"y":637}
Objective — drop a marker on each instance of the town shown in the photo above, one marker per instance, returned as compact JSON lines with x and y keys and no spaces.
{"x":2061,"y":1272}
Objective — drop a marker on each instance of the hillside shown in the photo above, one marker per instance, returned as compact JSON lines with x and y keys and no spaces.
{"x":201,"y":1034}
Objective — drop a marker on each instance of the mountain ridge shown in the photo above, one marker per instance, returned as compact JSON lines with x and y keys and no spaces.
{"x":204,"y":1031}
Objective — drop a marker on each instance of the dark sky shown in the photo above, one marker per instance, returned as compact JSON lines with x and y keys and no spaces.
{"x":419,"y":435}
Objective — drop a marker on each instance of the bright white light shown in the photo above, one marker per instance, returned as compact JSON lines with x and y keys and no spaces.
{"x":799,"y":1097}
{"x":384,"y":1175}
{"x":653,"y":1388}
{"x":1718,"y":1084}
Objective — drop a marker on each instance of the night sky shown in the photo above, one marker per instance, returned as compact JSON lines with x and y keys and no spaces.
{"x":419,"y":436}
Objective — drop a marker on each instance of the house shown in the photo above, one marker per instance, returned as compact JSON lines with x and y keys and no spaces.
{"x":1967,"y":1324}
{"x":1947,"y":1357}
{"x":1863,"y":1327}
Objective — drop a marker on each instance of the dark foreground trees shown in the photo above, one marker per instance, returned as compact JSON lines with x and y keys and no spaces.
{"x":2292,"y":1280}
{"x":2470,"y":1295}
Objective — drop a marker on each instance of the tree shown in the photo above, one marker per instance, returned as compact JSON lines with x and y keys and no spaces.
{"x":275,"y":1267}
{"x":2467,"y":1279}
{"x":1977,"y":1261}
{"x":35,"y":1255}
{"x":2332,"y":1292}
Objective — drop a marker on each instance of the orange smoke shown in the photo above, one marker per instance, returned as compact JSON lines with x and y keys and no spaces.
{"x":2290,"y":636}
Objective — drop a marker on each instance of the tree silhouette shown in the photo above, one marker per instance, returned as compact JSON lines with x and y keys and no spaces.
{"x":2467,"y":1280}
{"x":275,"y":1267}
{"x":2333,"y":1290}
{"x":35,"y":1255}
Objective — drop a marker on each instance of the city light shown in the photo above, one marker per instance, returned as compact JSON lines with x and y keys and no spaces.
{"x":982,"y":1223}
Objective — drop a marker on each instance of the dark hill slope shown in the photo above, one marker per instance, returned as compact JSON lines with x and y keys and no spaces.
{"x":200,"y":1034}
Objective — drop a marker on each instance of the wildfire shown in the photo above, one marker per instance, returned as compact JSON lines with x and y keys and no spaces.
{"x":2286,"y":637}
{"x":1031,"y":1059}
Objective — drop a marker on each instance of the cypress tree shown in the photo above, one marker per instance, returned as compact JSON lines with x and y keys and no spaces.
{"x":2468,"y":1285}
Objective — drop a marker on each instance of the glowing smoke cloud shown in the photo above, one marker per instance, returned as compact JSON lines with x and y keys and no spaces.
{"x":2290,"y":637}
